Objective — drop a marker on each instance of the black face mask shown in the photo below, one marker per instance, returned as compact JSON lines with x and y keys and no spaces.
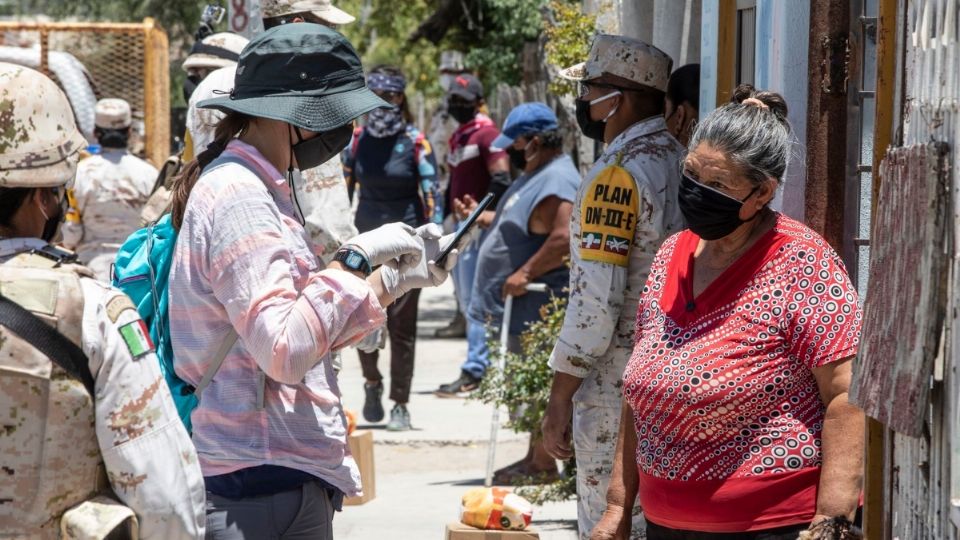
{"x":710,"y":214}
{"x":52,"y":224}
{"x":518,"y":158}
{"x":462,"y":113}
{"x":313,"y":152}
{"x":591,"y":128}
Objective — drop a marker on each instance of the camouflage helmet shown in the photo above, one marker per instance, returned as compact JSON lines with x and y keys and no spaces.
{"x":632,"y":61}
{"x":324,"y":9}
{"x":112,"y":113}
{"x":215,"y":51}
{"x":39,"y":139}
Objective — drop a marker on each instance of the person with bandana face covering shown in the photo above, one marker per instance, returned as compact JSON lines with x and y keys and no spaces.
{"x":270,"y":430}
{"x":396,"y":170}
{"x":745,"y":338}
{"x":625,"y":208}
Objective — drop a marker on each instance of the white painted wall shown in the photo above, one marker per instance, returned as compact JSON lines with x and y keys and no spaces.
{"x":782,"y":37}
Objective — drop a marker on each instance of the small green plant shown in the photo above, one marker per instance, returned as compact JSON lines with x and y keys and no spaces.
{"x":569,"y":31}
{"x":523,"y":387}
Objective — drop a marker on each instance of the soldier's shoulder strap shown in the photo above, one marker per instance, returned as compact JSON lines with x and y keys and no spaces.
{"x":47,"y":340}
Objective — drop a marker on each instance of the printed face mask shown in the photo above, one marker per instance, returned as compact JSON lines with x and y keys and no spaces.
{"x":313,"y":152}
{"x":594,"y":128}
{"x":383,"y":123}
{"x":710,"y":214}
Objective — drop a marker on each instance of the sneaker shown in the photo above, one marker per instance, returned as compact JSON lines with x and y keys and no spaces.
{"x":464,"y":384}
{"x":399,"y":418}
{"x":456,"y":329}
{"x":372,"y":407}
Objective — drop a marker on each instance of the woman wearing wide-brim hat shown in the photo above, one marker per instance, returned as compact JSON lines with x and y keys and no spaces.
{"x":269,"y":429}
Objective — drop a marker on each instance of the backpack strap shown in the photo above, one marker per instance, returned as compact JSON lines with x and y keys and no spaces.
{"x":47,"y":340}
{"x":214,"y":366}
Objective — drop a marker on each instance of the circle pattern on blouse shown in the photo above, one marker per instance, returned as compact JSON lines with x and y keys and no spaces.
{"x":731,"y":394}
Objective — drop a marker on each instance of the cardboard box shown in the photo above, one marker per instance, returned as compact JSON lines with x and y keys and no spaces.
{"x":459,"y":531}
{"x":361,"y":446}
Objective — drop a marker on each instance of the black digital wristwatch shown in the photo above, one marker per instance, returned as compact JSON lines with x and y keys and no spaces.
{"x":354,"y":260}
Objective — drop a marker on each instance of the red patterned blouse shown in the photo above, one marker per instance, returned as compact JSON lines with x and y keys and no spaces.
{"x":727,"y":411}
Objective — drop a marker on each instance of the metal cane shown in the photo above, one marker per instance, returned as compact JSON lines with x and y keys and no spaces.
{"x":501,"y":364}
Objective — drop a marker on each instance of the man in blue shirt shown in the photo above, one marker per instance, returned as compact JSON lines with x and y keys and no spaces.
{"x":528,"y":241}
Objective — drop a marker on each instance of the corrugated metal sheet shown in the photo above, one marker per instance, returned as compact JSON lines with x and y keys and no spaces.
{"x":924,"y":471}
{"x":906,"y":300}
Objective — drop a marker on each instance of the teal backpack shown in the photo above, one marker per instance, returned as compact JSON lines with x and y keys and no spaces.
{"x":141,"y":271}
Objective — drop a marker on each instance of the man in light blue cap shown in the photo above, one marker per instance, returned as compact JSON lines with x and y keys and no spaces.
{"x":528,"y":241}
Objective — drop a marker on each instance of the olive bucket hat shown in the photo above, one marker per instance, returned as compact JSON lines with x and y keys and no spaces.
{"x":304,"y":74}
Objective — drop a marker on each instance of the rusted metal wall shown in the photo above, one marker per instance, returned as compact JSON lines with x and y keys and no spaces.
{"x":922,"y":486}
{"x":827,"y":119}
{"x":906,"y":299}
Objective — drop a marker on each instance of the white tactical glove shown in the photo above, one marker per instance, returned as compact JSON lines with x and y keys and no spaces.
{"x":389,"y":242}
{"x":400,"y":278}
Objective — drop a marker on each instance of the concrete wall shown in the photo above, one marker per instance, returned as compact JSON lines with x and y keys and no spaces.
{"x":782,"y":36}
{"x":781,"y":66}
{"x":673,"y":26}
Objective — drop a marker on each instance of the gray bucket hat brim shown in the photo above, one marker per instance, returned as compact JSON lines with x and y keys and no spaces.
{"x":310,"y":112}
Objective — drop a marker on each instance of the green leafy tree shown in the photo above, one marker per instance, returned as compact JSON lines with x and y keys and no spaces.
{"x":569,"y":31}
{"x":381,"y":34}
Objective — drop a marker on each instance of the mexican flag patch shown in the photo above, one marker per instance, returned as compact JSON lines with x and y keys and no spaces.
{"x":137,"y":337}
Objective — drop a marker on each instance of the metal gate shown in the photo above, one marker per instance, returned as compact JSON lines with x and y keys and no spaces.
{"x":91,"y":61}
{"x":921,"y":461}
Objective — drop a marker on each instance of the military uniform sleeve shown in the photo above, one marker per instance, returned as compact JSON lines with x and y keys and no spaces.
{"x":150,"y":460}
{"x":602,"y":231}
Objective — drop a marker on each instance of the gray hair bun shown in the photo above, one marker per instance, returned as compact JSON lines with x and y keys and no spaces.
{"x":756,"y":139}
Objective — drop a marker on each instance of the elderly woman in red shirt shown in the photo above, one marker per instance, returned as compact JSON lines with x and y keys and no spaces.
{"x":735,"y":419}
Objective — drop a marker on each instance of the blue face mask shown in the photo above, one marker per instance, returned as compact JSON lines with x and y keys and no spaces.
{"x":710,"y":214}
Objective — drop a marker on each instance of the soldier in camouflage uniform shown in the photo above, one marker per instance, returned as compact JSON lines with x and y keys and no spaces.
{"x":110,"y":190}
{"x":624,"y":210}
{"x":323,"y":196}
{"x":63,"y":449}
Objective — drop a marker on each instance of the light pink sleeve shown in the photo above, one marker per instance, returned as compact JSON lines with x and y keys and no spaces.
{"x":249,"y":266}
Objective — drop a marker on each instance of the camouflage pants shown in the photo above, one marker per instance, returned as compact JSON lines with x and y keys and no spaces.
{"x":595,"y":431}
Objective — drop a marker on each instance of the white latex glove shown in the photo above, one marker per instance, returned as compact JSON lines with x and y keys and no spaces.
{"x":399,"y":278}
{"x":389,"y":242}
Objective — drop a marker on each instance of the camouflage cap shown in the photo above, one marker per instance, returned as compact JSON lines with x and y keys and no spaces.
{"x":112,"y":113}
{"x":215,"y":51}
{"x":323,"y":9}
{"x":626,"y":58}
{"x":39,"y":139}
